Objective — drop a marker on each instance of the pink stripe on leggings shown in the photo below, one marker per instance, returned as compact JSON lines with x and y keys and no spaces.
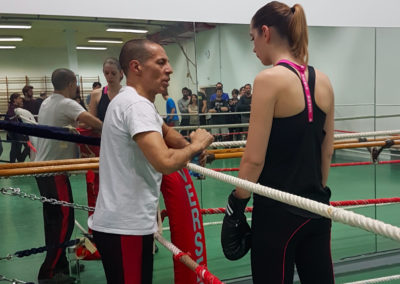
{"x":286,"y":245}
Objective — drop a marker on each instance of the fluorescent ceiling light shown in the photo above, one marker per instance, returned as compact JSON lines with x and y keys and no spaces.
{"x":7,"y":46}
{"x":15,"y":26}
{"x":127,"y":30}
{"x":91,"y":47}
{"x":105,"y":40}
{"x":10,"y":38}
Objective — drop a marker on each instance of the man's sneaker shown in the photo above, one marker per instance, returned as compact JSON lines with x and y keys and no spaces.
{"x":58,"y":278}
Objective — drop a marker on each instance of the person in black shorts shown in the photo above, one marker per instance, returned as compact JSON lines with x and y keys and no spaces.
{"x":291,"y":125}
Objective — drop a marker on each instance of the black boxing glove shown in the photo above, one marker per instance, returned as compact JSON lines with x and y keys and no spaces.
{"x":236,"y":232}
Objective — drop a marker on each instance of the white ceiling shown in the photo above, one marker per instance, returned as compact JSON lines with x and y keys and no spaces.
{"x":49,"y":31}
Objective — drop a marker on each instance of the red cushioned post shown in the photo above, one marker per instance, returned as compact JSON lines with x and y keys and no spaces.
{"x":186,"y":222}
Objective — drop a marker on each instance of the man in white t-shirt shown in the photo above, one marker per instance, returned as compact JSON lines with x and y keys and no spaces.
{"x":59,"y":110}
{"x":137,"y":147}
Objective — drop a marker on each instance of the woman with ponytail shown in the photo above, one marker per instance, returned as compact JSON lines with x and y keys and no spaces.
{"x":289,"y":148}
{"x":100,"y":98}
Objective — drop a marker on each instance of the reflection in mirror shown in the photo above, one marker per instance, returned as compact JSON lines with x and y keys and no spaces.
{"x":54,"y":41}
{"x":362,"y":64}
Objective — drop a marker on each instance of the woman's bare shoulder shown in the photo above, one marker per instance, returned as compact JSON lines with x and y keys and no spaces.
{"x":323,"y":79}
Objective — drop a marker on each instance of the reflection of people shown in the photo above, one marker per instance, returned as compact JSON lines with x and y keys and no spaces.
{"x":136,"y":147}
{"x":183,"y":104}
{"x":95,"y":86}
{"x":39,"y":101}
{"x":17,"y":140}
{"x":202,"y":102}
{"x":219,"y":106}
{"x":60,"y":110}
{"x":234,"y":118}
{"x":225,"y":96}
{"x":100,"y":98}
{"x":244,"y":104}
{"x":79,"y":99}
{"x":29,"y":101}
{"x":289,"y":148}
{"x":193,"y":109}
{"x":172,"y":118}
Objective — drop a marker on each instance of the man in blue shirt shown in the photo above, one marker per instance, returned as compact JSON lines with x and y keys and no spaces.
{"x":171,"y":119}
{"x":225,"y":96}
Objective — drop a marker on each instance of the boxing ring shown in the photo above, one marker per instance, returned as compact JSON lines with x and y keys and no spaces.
{"x":212,"y":193}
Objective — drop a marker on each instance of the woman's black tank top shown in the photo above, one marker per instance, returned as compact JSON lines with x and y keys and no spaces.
{"x":103,"y":104}
{"x":293,"y":157}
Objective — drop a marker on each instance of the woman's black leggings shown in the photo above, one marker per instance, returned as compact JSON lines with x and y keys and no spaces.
{"x":281,"y":240}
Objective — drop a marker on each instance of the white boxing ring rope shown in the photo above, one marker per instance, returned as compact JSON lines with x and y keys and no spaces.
{"x":366,"y":134}
{"x":170,"y":246}
{"x":334,"y":213}
{"x":209,"y":126}
{"x":336,"y":136}
{"x":376,"y":280}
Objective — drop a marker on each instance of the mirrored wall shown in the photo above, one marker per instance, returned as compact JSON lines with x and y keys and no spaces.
{"x":362,"y":64}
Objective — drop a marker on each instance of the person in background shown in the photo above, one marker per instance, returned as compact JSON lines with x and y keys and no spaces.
{"x":244,"y":105}
{"x":79,"y":99}
{"x":234,"y":118}
{"x":225,"y":96}
{"x":100,"y":98}
{"x":17,"y":140}
{"x":29,"y":101}
{"x":172,"y":118}
{"x":60,"y":110}
{"x":183,"y":104}
{"x":193,"y":109}
{"x":95,"y":86}
{"x":202,"y":102}
{"x":38,"y":101}
{"x":241,"y":92}
{"x":219,"y":106}
{"x":289,"y":148}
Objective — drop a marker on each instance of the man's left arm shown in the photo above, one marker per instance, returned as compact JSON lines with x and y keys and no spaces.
{"x":173,"y":138}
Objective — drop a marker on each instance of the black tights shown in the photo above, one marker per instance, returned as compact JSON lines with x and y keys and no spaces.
{"x":281,"y":240}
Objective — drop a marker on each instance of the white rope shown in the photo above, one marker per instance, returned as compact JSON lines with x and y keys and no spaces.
{"x":376,"y":280}
{"x":209,"y":126}
{"x":206,"y":224}
{"x":366,"y":117}
{"x":170,"y":246}
{"x":337,"y":136}
{"x":366,"y":134}
{"x":228,"y":144}
{"x":336,"y":214}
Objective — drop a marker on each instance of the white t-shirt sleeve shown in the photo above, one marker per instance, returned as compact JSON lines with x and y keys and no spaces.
{"x":72,"y":109}
{"x":142,"y":117}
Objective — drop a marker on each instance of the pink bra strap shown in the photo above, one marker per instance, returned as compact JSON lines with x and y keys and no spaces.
{"x":301,"y":69}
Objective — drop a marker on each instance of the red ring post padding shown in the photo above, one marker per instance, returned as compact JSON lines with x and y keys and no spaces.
{"x":185,"y":221}
{"x":92,"y":178}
